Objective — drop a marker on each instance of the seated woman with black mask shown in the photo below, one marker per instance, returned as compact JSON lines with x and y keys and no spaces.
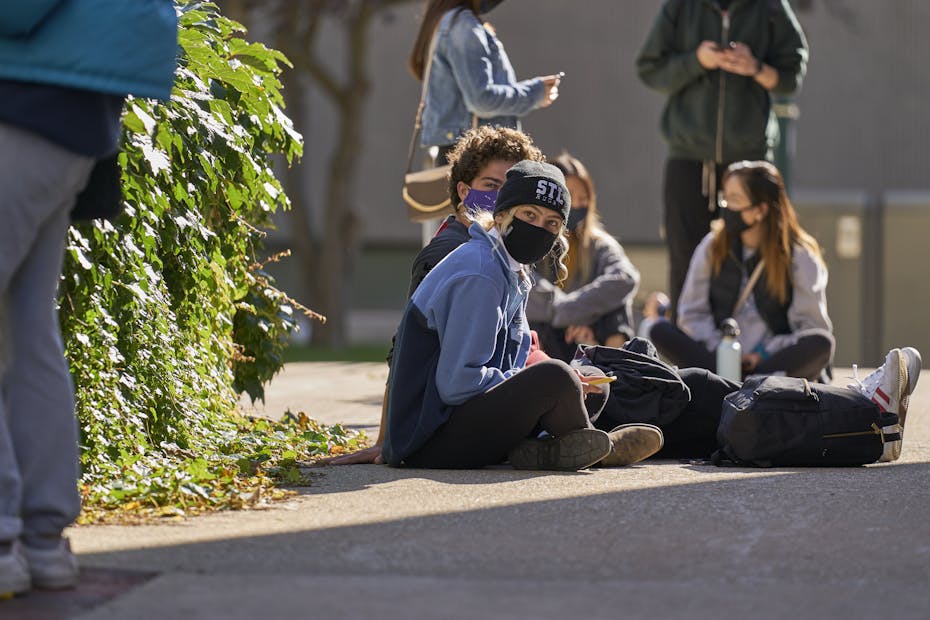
{"x":756,"y":245}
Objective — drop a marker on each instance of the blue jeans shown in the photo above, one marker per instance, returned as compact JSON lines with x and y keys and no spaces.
{"x":39,"y":465}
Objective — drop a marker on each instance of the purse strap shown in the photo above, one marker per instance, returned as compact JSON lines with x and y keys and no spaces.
{"x":418,"y":123}
{"x":756,"y":273}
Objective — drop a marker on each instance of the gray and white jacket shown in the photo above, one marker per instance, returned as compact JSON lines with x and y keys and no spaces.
{"x":612,"y":284}
{"x":808,"y":308}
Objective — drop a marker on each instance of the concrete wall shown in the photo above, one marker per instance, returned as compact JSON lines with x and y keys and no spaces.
{"x":905,"y":282}
{"x":863,"y":123}
{"x":863,"y":128}
{"x":841,"y":221}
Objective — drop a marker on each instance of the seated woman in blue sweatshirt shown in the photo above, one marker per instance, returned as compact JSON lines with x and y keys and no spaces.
{"x":459,"y":394}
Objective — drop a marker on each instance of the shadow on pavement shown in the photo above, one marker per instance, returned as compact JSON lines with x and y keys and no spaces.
{"x":846,"y":529}
{"x":98,"y":585}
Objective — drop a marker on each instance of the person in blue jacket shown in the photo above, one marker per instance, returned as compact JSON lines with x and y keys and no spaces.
{"x":471,"y":81}
{"x":65,"y":69}
{"x":478,"y":167}
{"x":459,"y":393}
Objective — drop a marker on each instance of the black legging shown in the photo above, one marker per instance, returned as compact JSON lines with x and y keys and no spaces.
{"x":806,"y":358}
{"x":693,"y":434}
{"x":687,"y":218}
{"x":546,"y":396}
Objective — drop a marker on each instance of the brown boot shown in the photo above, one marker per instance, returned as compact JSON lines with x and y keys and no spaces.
{"x":578,"y":449}
{"x":632,"y":443}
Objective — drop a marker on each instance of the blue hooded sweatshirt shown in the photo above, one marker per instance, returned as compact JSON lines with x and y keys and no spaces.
{"x":463,"y":332}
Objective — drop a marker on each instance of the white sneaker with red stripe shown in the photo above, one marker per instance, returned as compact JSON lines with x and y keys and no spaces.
{"x":890,"y":387}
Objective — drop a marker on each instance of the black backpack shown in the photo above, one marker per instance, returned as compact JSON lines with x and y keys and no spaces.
{"x":647,"y":390}
{"x":784,"y":421}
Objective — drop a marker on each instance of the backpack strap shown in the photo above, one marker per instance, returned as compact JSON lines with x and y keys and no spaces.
{"x":750,"y":284}
{"x":721,"y":458}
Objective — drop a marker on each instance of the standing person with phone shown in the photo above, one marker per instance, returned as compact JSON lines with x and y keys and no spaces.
{"x":471,"y":81}
{"x":719,"y":62}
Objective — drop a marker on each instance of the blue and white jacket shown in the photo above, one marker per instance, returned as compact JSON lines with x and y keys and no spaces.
{"x":463,"y":332}
{"x":471,"y":73}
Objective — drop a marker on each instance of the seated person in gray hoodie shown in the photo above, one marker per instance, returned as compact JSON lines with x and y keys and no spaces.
{"x":759,"y":267}
{"x":592,"y":302}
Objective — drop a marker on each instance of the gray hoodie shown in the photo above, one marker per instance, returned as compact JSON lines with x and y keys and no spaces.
{"x":808,"y":309}
{"x":611,"y":285}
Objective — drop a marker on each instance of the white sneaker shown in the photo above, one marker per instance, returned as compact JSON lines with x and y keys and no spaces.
{"x":14,"y":573}
{"x":890,"y":387}
{"x":52,"y":569}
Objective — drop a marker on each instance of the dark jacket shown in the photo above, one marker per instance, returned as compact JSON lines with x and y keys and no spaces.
{"x":697,"y":98}
{"x":463,"y":332}
{"x":452,"y":234}
{"x":726,"y":286}
{"x":609,"y":287}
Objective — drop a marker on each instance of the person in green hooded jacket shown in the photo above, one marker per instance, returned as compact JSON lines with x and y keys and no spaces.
{"x":718,"y":62}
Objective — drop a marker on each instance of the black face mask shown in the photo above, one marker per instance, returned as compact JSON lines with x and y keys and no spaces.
{"x":527,"y":243}
{"x":576,"y":215}
{"x":733,"y":221}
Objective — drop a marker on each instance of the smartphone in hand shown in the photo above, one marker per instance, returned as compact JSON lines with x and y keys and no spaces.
{"x":599,"y":380}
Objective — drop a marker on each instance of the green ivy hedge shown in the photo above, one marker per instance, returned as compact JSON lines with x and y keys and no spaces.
{"x":166,"y":313}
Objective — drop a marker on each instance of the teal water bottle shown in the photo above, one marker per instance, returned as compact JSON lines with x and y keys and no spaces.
{"x":729,"y":352}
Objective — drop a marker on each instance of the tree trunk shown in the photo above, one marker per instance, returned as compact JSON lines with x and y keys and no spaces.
{"x":340,"y":238}
{"x":303,"y":239}
{"x":326,"y":260}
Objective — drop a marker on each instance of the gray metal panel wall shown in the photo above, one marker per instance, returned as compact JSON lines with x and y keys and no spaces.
{"x":837,"y":219}
{"x":905,"y":290}
{"x":863,"y":124}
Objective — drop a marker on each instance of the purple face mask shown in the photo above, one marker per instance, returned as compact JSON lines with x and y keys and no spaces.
{"x":480,"y":200}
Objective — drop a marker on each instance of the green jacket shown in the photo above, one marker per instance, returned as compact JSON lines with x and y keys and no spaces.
{"x":715,"y":115}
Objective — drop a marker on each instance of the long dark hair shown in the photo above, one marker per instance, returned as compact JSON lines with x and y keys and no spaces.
{"x":435,"y":9}
{"x":763,"y":183}
{"x":571,"y":166}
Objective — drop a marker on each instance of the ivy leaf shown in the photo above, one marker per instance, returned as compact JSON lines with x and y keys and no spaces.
{"x":164,"y":314}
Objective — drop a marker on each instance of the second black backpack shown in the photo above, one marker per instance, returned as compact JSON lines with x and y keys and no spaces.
{"x":784,"y":421}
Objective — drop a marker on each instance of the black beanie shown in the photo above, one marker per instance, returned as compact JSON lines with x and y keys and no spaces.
{"x":534,"y":183}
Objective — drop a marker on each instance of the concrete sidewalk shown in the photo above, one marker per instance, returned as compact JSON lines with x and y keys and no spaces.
{"x":658,"y":540}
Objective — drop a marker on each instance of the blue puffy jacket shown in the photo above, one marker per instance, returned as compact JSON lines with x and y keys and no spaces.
{"x":118,"y":47}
